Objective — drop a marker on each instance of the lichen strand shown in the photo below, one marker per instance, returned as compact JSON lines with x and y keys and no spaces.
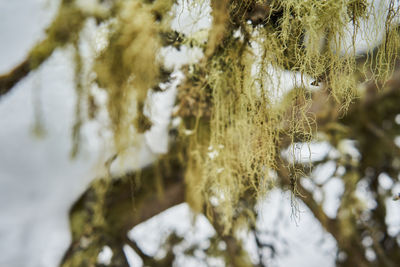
{"x":381,"y":65}
{"x":240,"y":148}
{"x":311,"y":40}
{"x":307,"y":37}
{"x":129,"y":66}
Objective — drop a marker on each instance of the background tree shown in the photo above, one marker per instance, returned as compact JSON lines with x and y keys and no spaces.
{"x":236,"y":132}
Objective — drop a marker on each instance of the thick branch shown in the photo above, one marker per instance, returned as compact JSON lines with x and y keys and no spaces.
{"x":110,"y":207}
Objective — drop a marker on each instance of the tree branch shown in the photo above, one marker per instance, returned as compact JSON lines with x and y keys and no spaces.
{"x":64,"y":29}
{"x":110,"y":207}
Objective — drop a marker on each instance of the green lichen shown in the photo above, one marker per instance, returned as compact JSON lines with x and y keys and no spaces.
{"x":235,"y":115}
{"x":246,"y":119}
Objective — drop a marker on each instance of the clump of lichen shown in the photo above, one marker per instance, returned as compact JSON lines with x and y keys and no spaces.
{"x":130,"y":65}
{"x":246,"y":121}
{"x":235,"y":116}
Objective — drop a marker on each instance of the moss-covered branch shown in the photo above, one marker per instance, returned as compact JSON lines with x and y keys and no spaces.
{"x":64,"y":29}
{"x":110,"y":207}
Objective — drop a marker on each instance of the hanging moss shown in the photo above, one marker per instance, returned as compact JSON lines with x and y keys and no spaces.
{"x":235,"y":115}
{"x":246,"y":121}
{"x":129,"y":66}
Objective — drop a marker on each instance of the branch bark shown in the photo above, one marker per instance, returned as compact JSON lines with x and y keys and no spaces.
{"x":110,"y":207}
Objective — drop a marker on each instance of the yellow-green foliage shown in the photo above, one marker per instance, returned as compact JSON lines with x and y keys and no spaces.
{"x":242,"y":143}
{"x":235,"y":114}
{"x":130,"y":66}
{"x":247,"y":122}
